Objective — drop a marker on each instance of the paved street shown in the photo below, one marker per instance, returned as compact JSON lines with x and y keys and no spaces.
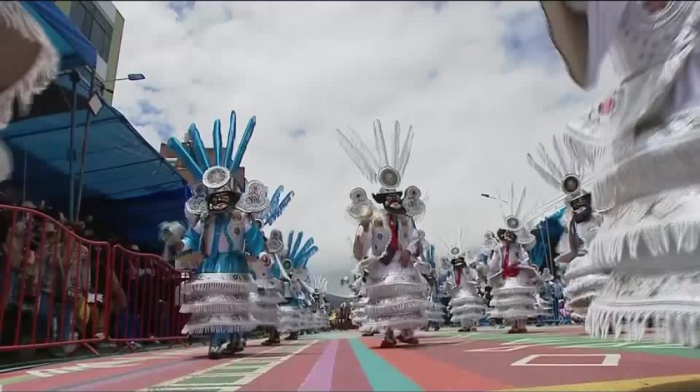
{"x":547,"y":359}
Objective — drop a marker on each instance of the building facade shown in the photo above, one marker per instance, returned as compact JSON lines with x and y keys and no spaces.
{"x":103,"y":25}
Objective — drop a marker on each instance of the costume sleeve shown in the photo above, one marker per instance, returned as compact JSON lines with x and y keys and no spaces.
{"x":603,"y":26}
{"x":363,"y":242}
{"x":413,"y":238}
{"x":583,"y":32}
{"x":192,"y":237}
{"x":495,"y":262}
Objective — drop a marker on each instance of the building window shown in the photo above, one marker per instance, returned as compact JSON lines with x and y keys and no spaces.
{"x":93,"y":25}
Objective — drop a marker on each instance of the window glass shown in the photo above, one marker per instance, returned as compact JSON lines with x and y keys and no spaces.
{"x":105,"y":48}
{"x":77,"y":13}
{"x":87,"y":25}
{"x":89,"y":6}
{"x":97,"y":37}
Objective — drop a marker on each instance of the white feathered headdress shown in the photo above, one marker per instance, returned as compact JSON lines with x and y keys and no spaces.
{"x":380,"y":169}
{"x":516,"y":220}
{"x":567,"y":174}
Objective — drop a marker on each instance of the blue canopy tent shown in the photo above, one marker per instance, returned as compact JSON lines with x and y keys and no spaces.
{"x":75,"y":49}
{"x":118,"y":164}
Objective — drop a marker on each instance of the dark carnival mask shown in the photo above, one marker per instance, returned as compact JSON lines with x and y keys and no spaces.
{"x":222,"y":202}
{"x":391,"y":201}
{"x":506,"y":236}
{"x":582,"y":208}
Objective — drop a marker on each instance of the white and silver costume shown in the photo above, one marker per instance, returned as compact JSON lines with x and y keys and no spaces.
{"x":584,"y":278}
{"x":466,"y":306}
{"x":648,"y":149}
{"x":511,"y":275}
{"x":386,"y":240}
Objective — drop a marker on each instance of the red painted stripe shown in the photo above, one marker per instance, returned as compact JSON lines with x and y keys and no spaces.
{"x":432,"y":374}
{"x":348,"y":374}
{"x":290,"y":374}
{"x":496,"y":365}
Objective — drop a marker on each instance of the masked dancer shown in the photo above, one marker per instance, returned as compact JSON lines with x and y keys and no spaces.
{"x":386,"y":240}
{"x":584,"y":278}
{"x":645,"y":141}
{"x":296,"y":257}
{"x":511,"y":275}
{"x":466,"y":306}
{"x":219,"y":295}
{"x":436,"y":312}
{"x":270,"y":276}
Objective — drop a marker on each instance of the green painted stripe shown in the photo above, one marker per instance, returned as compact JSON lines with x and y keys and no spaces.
{"x":381,"y":375}
{"x":16,"y":379}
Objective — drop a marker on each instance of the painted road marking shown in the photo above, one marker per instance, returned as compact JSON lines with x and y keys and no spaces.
{"x":608,"y":360}
{"x":232,"y":375}
{"x":381,"y":375}
{"x":620,"y":385}
{"x":647,"y":346}
{"x":498,"y":349}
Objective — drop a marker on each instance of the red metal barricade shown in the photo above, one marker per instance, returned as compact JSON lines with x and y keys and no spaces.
{"x":153,"y":291}
{"x":52,"y":284}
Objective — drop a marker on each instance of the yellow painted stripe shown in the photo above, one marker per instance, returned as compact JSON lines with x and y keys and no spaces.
{"x":688,"y":382}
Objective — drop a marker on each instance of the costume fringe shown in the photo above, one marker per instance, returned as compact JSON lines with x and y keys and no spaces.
{"x":37,"y":78}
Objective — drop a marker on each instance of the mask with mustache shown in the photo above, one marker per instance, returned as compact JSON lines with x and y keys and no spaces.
{"x":582,"y":208}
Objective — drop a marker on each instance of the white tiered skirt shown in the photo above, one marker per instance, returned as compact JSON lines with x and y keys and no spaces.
{"x":397,"y":301}
{"x":466,"y":307}
{"x":515,"y":299}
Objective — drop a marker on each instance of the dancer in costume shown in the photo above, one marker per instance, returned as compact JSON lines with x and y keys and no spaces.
{"x":511,"y":275}
{"x":584,"y":278}
{"x":269,"y":276}
{"x":387,"y":241}
{"x":319,"y":284}
{"x":645,"y":139}
{"x":436,"y":311}
{"x":219,"y":296}
{"x":296,"y":257}
{"x":466,"y":306}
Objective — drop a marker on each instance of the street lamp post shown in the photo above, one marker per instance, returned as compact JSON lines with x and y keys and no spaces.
{"x":486,"y":195}
{"x":93,"y":110}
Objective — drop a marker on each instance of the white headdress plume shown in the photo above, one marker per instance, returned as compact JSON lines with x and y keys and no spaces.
{"x":377,"y":168}
{"x":381,"y":168}
{"x":566,"y":175}
{"x":457,"y":245}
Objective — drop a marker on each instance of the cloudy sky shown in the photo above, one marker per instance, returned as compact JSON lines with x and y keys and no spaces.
{"x":480,"y":83}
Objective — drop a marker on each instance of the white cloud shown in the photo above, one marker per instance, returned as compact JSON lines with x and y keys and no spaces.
{"x":318,"y":66}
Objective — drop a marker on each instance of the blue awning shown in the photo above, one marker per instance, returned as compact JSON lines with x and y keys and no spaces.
{"x":75,"y":49}
{"x":120,"y":164}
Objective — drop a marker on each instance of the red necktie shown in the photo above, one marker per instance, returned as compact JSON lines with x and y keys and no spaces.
{"x":508,"y":271}
{"x":394,"y":243}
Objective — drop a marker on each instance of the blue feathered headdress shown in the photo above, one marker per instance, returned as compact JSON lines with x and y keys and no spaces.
{"x":277,"y":206}
{"x":198,"y":162}
{"x":297,"y":254}
{"x":429,"y":255}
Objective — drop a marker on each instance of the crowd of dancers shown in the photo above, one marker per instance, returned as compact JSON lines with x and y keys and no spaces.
{"x":631,"y":247}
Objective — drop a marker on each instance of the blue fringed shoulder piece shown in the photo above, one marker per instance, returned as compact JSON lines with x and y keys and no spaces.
{"x":197,"y":160}
{"x":300,"y":255}
{"x":278,"y":206}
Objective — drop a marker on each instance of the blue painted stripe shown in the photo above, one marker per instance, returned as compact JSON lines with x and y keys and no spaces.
{"x":381,"y":375}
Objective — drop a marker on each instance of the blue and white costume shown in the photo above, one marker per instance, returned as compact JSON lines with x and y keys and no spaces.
{"x":269,"y":276}
{"x":219,"y":296}
{"x":295,"y":257}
